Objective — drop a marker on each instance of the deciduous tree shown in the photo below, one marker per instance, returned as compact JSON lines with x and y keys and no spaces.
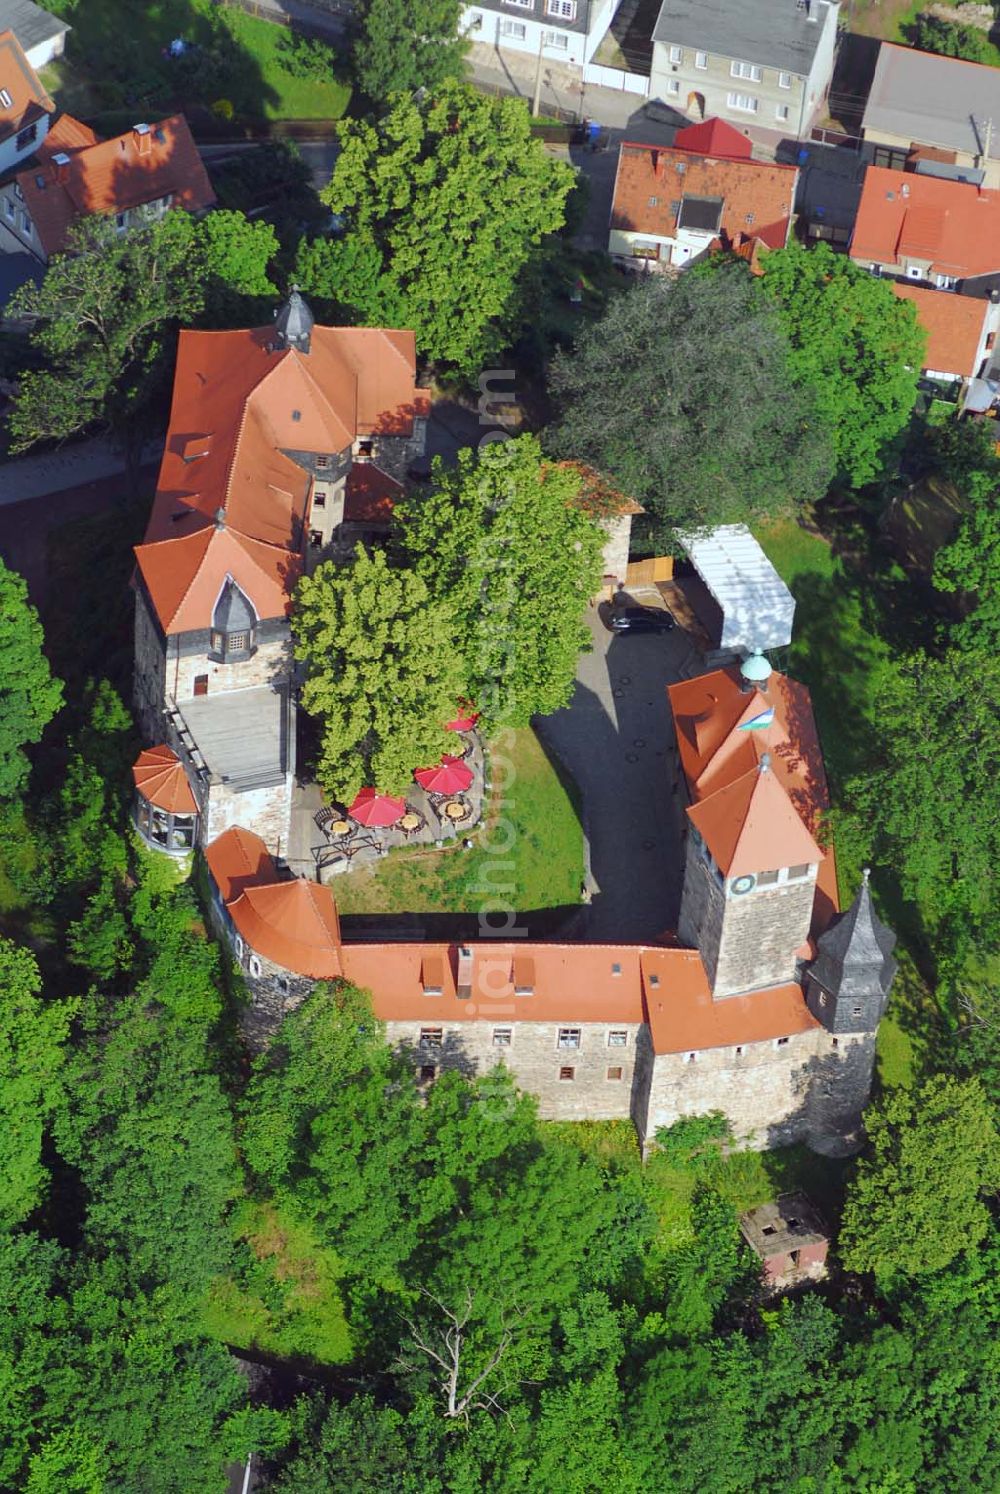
{"x":917,"y":1200}
{"x":503,"y":539}
{"x":445,"y":201}
{"x":854,"y":343}
{"x":384,"y":668}
{"x":403,"y":45}
{"x":29,"y":696}
{"x":685,"y":395}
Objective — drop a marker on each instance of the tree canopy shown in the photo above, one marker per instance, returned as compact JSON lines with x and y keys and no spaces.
{"x":445,"y":202}
{"x":29,"y":696}
{"x":403,"y":45}
{"x":684,"y":393}
{"x":504,"y":539}
{"x":385,"y":672}
{"x":930,"y":33}
{"x":854,"y":343}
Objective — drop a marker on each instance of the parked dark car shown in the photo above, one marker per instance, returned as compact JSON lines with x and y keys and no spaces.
{"x":642,"y":620}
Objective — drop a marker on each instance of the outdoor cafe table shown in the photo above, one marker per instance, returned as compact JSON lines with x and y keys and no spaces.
{"x":457,"y":809}
{"x":410,"y":822}
{"x":337,"y":829}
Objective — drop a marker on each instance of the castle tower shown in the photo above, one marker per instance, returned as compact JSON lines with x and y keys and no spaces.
{"x":846,"y":990}
{"x":848,"y":984}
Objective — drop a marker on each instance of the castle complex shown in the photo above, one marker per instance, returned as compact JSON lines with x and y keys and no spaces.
{"x":290,"y":442}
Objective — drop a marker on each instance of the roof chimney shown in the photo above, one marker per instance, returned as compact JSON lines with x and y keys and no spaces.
{"x":60,"y":166}
{"x":142,"y":139}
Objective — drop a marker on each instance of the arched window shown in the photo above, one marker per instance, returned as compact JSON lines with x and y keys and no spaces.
{"x":234,"y":625}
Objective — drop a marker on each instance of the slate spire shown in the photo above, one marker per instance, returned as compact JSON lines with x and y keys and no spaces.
{"x":294,"y":323}
{"x":853,"y":969}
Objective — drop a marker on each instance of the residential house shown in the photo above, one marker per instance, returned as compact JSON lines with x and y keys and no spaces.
{"x":43,"y":36}
{"x":268,"y":428}
{"x":933,"y":231}
{"x":25,"y":108}
{"x":934,"y":115}
{"x":133,"y":177}
{"x":672,"y":205}
{"x":769,"y":1014}
{"x":563,"y":31}
{"x":961,"y":331}
{"x":767,"y":65}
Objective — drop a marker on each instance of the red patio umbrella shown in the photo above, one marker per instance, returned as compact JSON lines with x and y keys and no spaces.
{"x":372,"y":808}
{"x":465,"y":720}
{"x":449,"y":776}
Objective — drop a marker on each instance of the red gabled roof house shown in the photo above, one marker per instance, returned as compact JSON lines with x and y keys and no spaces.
{"x":143,"y":172}
{"x":672,"y":205}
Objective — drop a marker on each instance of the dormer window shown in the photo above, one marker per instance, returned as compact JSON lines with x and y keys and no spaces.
{"x":234,"y":626}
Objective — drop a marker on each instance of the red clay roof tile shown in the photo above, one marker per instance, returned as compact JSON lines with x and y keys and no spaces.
{"x":160,"y":777}
{"x":954,"y":326}
{"x":953,"y":225}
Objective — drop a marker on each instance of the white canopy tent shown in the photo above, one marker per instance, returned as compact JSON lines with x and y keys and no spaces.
{"x":757,"y":607}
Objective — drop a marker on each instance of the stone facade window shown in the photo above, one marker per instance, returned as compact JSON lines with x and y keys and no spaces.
{"x":766,"y":878}
{"x":569,"y":1037}
{"x":781,"y":1042}
{"x":690,"y":1057}
{"x":740,"y":1050}
{"x":430,"y":1039}
{"x":427,"y":1073}
{"x":255,"y":967}
{"x":502,"y":1037}
{"x":796,"y":873}
{"x":618,"y":1038}
{"x":234,"y":626}
{"x":615,"y":1072}
{"x":567,"y":1075}
{"x":239,"y":947}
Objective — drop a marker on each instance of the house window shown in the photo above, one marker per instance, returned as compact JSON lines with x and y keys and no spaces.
{"x":27,"y":136}
{"x":366,"y":449}
{"x":564,"y":9}
{"x":322,"y":461}
{"x":516,"y":30}
{"x":615,"y":1072}
{"x":521,"y":4}
{"x":796,"y":873}
{"x":748,"y":70}
{"x":567,"y":1075}
{"x":822,"y":998}
{"x":120,"y":221}
{"x":557,"y":39}
{"x":701,"y":60}
{"x":654,"y":980}
{"x":430,"y":1038}
{"x":673,"y":87}
{"x":201,"y":684}
{"x":616,"y":969}
{"x":8,"y":207}
{"x":944,"y":282}
{"x":676,"y":54}
{"x":476,"y":24}
{"x":856,"y":1011}
{"x":784,"y":80}
{"x":618,"y":1038}
{"x":319,"y":498}
{"x":739,"y":1050}
{"x":745,"y":102}
{"x":654,"y":202}
{"x":315,"y":536}
{"x":427,"y":1073}
{"x":782,"y":112}
{"x":284,"y":984}
{"x":766,"y":878}
{"x":238,"y":643}
{"x":255,"y":966}
{"x":690,"y":1057}
{"x":502,"y":1037}
{"x":239,"y":947}
{"x":913,"y":273}
{"x":569,"y":1037}
{"x":5,"y":98}
{"x":25,"y":222}
{"x":162,"y":828}
{"x":781,"y":1042}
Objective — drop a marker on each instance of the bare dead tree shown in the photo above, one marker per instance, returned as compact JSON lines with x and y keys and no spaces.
{"x":444,"y":1344}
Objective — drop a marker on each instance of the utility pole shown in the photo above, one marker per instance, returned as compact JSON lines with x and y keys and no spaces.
{"x":538,"y":77}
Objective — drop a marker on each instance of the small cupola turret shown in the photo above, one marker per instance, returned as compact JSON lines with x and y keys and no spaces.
{"x":848,"y":983}
{"x":293,"y":323}
{"x":234,"y":625}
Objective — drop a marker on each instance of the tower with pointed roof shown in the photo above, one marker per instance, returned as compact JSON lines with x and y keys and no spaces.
{"x":294,"y":323}
{"x":849,"y":981}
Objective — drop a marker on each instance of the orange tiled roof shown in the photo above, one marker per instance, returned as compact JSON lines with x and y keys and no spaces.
{"x":160,"y":777}
{"x":955,"y":226}
{"x":683,"y":1018}
{"x":67,"y":135}
{"x":370,"y":495}
{"x":714,"y":137}
{"x":19,"y":83}
{"x":954,"y":326}
{"x":292,"y":923}
{"x":750,"y":825}
{"x":649,"y":189}
{"x":597,"y":496}
{"x":717,"y":750}
{"x":114,"y":175}
{"x":229,"y":500}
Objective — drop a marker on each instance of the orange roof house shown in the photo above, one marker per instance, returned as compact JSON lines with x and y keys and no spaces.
{"x":927,"y":227}
{"x":149,"y":164}
{"x":671,"y":205}
{"x":960,"y":329}
{"x":249,"y":417}
{"x":25,"y":107}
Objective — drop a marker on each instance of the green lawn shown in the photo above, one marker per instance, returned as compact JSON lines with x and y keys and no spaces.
{"x":289,"y":1302}
{"x":531,"y":810}
{"x":233,"y":57}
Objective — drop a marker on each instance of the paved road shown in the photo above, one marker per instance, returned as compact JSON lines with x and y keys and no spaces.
{"x":615,"y":738}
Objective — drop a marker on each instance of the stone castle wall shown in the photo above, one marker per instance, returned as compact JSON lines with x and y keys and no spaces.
{"x":149,"y":672}
{"x":270,"y":664}
{"x":265,"y":811}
